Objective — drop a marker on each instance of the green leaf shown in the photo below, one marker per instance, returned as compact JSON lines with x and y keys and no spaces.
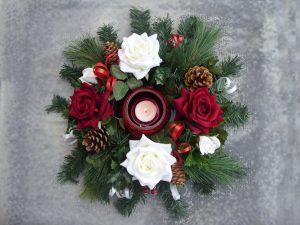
{"x":121,"y":123}
{"x":161,"y":74}
{"x":120,"y":90}
{"x":116,"y":72}
{"x":220,"y":133}
{"x":111,"y":126}
{"x":114,"y":165}
{"x":97,"y":160}
{"x":133,"y":83}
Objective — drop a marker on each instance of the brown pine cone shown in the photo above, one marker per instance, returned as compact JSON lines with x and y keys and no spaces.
{"x":198,"y":76}
{"x":96,"y":140}
{"x":178,"y":177}
{"x":111,"y":51}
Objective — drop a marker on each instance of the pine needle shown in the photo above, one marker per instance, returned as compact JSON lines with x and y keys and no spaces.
{"x":85,"y":52}
{"x":71,"y":74}
{"x":139,"y":21}
{"x":107,"y":33}
{"x":175,"y":208}
{"x":59,"y":105}
{"x":73,"y":165}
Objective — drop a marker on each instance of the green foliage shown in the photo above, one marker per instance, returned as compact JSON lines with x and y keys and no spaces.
{"x":117,"y":73}
{"x":176,"y":208}
{"x":133,"y":83}
{"x":198,"y":50}
{"x":231,"y":66}
{"x":139,"y":21}
{"x":59,"y":105}
{"x":187,"y":26}
{"x":85,"y":52}
{"x":163,"y":137}
{"x":188,"y":137}
{"x":120,"y":90}
{"x":119,"y":145}
{"x":120,"y":179}
{"x":209,"y":170}
{"x":73,"y":165}
{"x":127,"y":206}
{"x":161,"y":75}
{"x":163,"y":28}
{"x":235,"y":114}
{"x":71,"y":74}
{"x":107,"y":33}
{"x":220,"y":133}
{"x":96,"y":186}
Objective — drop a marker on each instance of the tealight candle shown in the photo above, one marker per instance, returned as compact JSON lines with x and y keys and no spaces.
{"x":145,"y":111}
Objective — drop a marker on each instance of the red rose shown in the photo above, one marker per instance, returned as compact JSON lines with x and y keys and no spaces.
{"x":88,"y":106}
{"x":199,"y":108}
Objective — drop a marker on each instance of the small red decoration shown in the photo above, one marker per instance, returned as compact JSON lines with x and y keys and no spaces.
{"x":135,"y":126}
{"x":102,"y":72}
{"x":176,"y":40}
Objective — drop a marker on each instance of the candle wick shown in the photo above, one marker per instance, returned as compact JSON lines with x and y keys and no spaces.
{"x":145,"y":109}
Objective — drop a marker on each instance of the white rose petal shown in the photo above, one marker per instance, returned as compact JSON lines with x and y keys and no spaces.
{"x":216,"y":142}
{"x":138,"y":54}
{"x":208,"y":145}
{"x":149,"y":162}
{"x":88,"y":76}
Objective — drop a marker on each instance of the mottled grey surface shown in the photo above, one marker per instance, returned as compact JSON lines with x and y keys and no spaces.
{"x":33,"y":34}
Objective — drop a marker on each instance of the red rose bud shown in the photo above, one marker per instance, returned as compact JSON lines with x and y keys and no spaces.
{"x":199,"y":109}
{"x":89,"y":107}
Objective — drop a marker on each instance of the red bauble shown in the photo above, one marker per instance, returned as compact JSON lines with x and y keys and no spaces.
{"x":137,"y":127}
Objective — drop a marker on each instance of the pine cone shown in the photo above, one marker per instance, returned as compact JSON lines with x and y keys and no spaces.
{"x":198,"y":76}
{"x":178,"y":177}
{"x":96,"y":140}
{"x":111,"y":51}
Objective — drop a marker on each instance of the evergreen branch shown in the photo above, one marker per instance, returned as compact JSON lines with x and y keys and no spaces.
{"x":127,"y":206}
{"x":96,"y":186}
{"x":107,"y":33}
{"x":187,"y":26}
{"x":59,"y":105}
{"x":140,"y":21}
{"x":163,"y":28}
{"x":176,"y":208}
{"x":235,"y":114}
{"x":231,"y":66}
{"x":71,"y":74}
{"x":85,"y":52}
{"x":197,"y":51}
{"x":214,"y":169}
{"x":73,"y":165}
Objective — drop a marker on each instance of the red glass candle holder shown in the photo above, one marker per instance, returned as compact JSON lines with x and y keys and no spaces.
{"x":136,"y":127}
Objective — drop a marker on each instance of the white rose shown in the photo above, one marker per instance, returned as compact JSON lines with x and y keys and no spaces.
{"x":149,"y":162}
{"x":88,"y":76}
{"x":208,"y":145}
{"x":138,"y":54}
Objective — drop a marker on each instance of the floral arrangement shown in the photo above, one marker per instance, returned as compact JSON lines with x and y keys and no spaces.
{"x":150,"y":112}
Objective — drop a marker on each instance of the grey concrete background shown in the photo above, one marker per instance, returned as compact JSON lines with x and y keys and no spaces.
{"x":32,"y":36}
